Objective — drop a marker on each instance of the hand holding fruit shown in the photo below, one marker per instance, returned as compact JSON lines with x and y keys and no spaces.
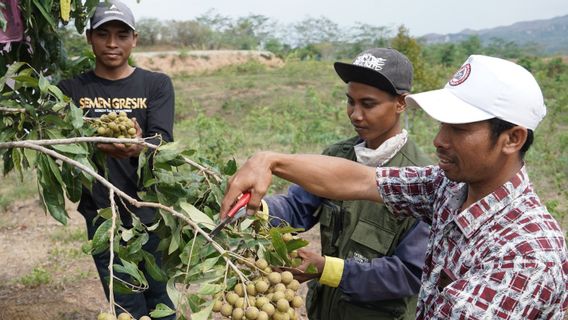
{"x":119,"y":126}
{"x":308,"y":258}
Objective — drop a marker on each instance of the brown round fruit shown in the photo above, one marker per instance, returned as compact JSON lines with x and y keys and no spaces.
{"x":287,"y":237}
{"x":232,"y":298}
{"x":294,"y":285}
{"x":238,"y":313}
{"x":240,"y":289}
{"x":105,"y":316}
{"x":261,"y":264}
{"x":262,"y":316}
{"x":217,"y":305}
{"x":251,"y":289}
{"x":251,"y":313}
{"x":287,"y":277}
{"x":269,"y":309}
{"x":226,"y":309}
{"x":274,"y":277}
{"x":261,"y":286}
{"x":124,"y":316}
{"x":297,"y":302}
{"x":282,"y":305}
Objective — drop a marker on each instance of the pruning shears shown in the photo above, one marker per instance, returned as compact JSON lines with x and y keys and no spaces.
{"x":238,"y":211}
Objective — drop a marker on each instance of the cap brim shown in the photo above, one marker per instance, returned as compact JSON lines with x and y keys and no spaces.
{"x":350,"y":72}
{"x":107,"y":19}
{"x":445,"y":107}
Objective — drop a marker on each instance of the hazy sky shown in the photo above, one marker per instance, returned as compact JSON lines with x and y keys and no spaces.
{"x":419,"y":16}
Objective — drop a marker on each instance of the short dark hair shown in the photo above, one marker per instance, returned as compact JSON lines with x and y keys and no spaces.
{"x":498,"y":126}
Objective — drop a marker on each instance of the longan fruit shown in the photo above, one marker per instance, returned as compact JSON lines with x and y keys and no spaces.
{"x":261,"y":264}
{"x":251,"y":289}
{"x":294,"y":285}
{"x":226,"y":309}
{"x":251,"y":313}
{"x":261,"y":286}
{"x":124,"y":316}
{"x":297,"y":302}
{"x":240,"y":289}
{"x":286,"y":277}
{"x":274,"y":277}
{"x":237,"y":313}
{"x":283,"y":305}
{"x":269,"y":309}
{"x":217,"y":305}
{"x":262,"y":315}
{"x":231,"y":298}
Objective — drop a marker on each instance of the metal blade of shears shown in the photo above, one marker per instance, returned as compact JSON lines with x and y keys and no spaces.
{"x":236,"y":212}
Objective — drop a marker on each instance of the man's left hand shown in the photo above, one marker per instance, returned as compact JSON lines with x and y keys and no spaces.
{"x":308,"y":258}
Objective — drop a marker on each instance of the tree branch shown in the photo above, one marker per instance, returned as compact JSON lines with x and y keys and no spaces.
{"x":28,"y":144}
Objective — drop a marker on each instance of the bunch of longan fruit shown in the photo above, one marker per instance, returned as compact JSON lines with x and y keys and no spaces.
{"x":269,"y":295}
{"x":115,"y":125}
{"x":122,"y":316}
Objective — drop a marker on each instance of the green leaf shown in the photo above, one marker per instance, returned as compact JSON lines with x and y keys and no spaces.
{"x":73,"y":185}
{"x":204,"y":313}
{"x":163,"y":311}
{"x":135,"y":246}
{"x":230,"y":168}
{"x":46,"y":15}
{"x":76,"y":116}
{"x":102,"y":237}
{"x":17,"y":159}
{"x":56,"y":92}
{"x":43,"y":83}
{"x":71,"y":149}
{"x":132,"y":270}
{"x":168,"y":152}
{"x":279,"y":245}
{"x":197,"y":215}
{"x":51,"y":192}
{"x":174,"y":244}
{"x":210,"y":289}
{"x":152,"y":267}
{"x":295,"y":244}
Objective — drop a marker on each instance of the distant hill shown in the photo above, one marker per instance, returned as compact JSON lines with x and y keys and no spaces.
{"x":550,"y":35}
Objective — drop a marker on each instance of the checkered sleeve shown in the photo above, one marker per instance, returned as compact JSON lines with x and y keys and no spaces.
{"x":525,"y":289}
{"x":409,"y":190}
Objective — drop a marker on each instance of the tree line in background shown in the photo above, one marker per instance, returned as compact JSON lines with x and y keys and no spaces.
{"x":311,"y":38}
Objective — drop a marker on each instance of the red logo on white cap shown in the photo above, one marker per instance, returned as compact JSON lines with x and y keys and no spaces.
{"x":461,"y":75}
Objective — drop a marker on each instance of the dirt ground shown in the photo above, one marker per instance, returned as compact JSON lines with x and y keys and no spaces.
{"x":192,"y":62}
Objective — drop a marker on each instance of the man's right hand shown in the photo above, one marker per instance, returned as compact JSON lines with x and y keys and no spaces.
{"x":255,"y":177}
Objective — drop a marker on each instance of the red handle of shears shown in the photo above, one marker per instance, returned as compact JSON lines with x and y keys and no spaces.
{"x":243,"y":200}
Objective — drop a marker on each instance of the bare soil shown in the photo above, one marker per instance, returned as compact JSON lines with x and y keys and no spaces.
{"x":196,"y":62}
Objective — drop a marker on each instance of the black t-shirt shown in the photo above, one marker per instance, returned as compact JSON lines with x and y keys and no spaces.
{"x":144,"y":95}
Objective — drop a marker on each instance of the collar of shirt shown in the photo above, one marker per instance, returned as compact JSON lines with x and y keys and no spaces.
{"x":470,"y":219}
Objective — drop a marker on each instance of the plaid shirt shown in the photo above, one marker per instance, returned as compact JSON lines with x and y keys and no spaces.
{"x":504,"y":257}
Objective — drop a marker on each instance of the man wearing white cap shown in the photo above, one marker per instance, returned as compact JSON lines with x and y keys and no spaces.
{"x":494,"y":250}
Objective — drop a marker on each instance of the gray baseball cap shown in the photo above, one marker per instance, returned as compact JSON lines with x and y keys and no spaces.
{"x":112,"y":10}
{"x":383,"y":68}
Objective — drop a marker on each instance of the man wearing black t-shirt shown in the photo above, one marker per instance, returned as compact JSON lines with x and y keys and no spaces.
{"x":147,"y":97}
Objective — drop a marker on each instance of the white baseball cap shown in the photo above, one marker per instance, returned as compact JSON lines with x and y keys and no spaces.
{"x":484,"y":88}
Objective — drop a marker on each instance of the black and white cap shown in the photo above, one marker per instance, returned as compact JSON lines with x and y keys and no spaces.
{"x":111,"y":10}
{"x":383,"y":68}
